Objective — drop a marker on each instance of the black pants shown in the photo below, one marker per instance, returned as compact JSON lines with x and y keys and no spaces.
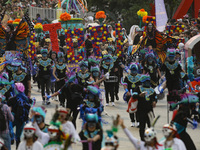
{"x":143,"y":119}
{"x":109,"y":90}
{"x":45,"y":83}
{"x":184,"y":136}
{"x":61,"y":96}
{"x":116,"y":88}
{"x":74,"y":113}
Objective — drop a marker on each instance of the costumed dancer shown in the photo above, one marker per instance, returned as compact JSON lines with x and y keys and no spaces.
{"x":44,"y":65}
{"x":118,"y":69}
{"x":107,"y":67}
{"x":59,"y":73}
{"x":39,"y":114}
{"x":147,"y":100}
{"x":131,"y":82}
{"x":181,"y":119}
{"x":83,"y":75}
{"x":150,"y":140}
{"x":67,"y":126}
{"x":152,"y":69}
{"x":95,"y":77}
{"x":53,"y":79}
{"x":21,"y":76}
{"x":172,"y":141}
{"x":92,"y":104}
{"x":29,"y":141}
{"x":5,"y":85}
{"x":20,"y":105}
{"x":92,"y":133}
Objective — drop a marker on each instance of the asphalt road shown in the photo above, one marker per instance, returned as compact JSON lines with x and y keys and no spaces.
{"x":120,"y":108}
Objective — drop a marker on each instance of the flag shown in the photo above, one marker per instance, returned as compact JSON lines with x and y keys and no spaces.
{"x":161,"y":15}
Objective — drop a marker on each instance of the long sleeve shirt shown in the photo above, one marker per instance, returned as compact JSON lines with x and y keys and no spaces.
{"x":8,"y":117}
{"x":140,"y":145}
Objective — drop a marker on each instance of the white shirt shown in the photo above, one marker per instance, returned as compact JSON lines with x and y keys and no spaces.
{"x":43,"y":137}
{"x":36,"y":146}
{"x":68,"y":128}
{"x":177,"y":144}
{"x":140,"y":145}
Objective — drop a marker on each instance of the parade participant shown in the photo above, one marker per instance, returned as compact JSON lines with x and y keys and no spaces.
{"x":2,"y":145}
{"x":180,"y":120}
{"x":146,"y":102}
{"x":29,"y":142}
{"x":92,"y":132}
{"x":94,"y":78}
{"x":21,"y":76}
{"x":53,"y":79}
{"x":150,"y":141}
{"x":172,"y":71}
{"x":59,"y":72}
{"x":67,"y":126}
{"x":152,"y":69}
{"x":5,"y":85}
{"x":5,"y":117}
{"x":20,"y":105}
{"x":44,"y":65}
{"x":107,"y":66}
{"x":83,"y":75}
{"x":39,"y":114}
{"x":118,"y":71}
{"x":131,"y":82}
{"x":172,"y":142}
{"x":92,"y":104}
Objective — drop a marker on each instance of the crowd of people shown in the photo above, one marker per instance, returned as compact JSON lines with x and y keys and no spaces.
{"x":148,"y":62}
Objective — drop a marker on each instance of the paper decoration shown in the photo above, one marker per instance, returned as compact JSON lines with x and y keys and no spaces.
{"x":171,"y":29}
{"x":52,"y":28}
{"x":119,"y":39}
{"x":77,"y":34}
{"x":98,"y":34}
{"x":32,"y":49}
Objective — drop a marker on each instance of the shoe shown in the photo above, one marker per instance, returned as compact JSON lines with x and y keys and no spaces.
{"x":48,"y":102}
{"x":43,"y":102}
{"x":107,"y":104}
{"x":117,"y":97}
{"x":137,"y":124}
{"x":113,"y":104}
{"x":12,"y":142}
{"x":133,"y":124}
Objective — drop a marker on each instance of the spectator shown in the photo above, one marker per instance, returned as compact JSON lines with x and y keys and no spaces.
{"x":39,"y":20}
{"x":8,"y":117}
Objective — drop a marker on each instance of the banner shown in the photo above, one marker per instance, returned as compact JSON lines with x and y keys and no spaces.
{"x":161,"y":15}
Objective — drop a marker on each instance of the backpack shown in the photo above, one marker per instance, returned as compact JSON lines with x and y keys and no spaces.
{"x":132,"y":105}
{"x":2,"y":119}
{"x":23,"y":108}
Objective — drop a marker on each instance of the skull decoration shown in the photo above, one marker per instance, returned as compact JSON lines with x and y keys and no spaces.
{"x":149,"y":134}
{"x":168,"y":129}
{"x":52,"y":131}
{"x":29,"y":130}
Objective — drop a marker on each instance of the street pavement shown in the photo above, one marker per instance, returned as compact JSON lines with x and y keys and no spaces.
{"x":120,"y":108}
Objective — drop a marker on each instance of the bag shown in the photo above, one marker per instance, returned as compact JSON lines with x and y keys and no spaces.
{"x":132,"y":105}
{"x":2,"y":119}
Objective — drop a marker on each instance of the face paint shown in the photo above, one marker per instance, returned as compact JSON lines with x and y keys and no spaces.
{"x":52,"y":134}
{"x":44,"y":55}
{"x":133,"y":71}
{"x":83,"y":68}
{"x":147,"y":83}
{"x":107,"y":60}
{"x":95,"y":74}
{"x":90,"y":96}
{"x":60,"y":60}
{"x":166,"y":132}
{"x":150,"y":26}
{"x":171,"y":57}
{"x":39,"y":119}
{"x":109,"y":52}
{"x":150,"y":60}
{"x":28,"y":133}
